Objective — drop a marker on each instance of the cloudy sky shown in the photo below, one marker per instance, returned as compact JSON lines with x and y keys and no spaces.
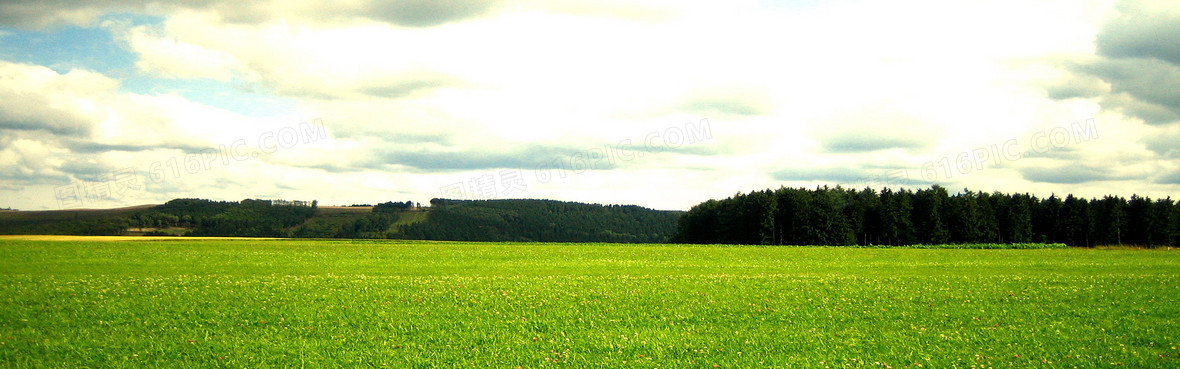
{"x":658,"y":103}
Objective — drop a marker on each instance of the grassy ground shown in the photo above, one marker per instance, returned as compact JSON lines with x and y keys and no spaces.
{"x":406,"y":218}
{"x":284,"y":303}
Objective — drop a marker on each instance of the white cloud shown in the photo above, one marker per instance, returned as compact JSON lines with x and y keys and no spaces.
{"x":37,"y":98}
{"x":168,"y":58}
{"x":862,"y":86}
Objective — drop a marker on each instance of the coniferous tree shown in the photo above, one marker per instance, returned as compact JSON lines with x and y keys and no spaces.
{"x":870,"y":213}
{"x":896,"y":208}
{"x":1109,"y":218}
{"x":1075,"y":221}
{"x":1176,"y":224}
{"x":964,"y":218}
{"x":927,"y":215}
{"x":989,"y":226}
{"x":1020,"y":218}
{"x":1047,"y":220}
{"x":838,"y":216}
{"x":1140,"y":221}
{"x":1165,"y":215}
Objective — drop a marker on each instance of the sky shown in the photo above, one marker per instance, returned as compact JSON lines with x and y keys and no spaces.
{"x":663,"y":104}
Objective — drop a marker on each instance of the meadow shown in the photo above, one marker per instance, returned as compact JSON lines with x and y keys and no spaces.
{"x":78,"y":302}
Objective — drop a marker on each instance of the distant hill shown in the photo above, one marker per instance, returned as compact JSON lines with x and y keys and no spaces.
{"x":541,"y":221}
{"x":491,"y":220}
{"x":85,"y":222}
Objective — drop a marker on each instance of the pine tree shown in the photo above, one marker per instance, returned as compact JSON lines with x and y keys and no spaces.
{"x":963,"y":218}
{"x":1075,"y":221}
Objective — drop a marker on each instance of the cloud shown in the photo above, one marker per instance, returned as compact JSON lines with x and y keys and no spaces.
{"x":1077,"y":86}
{"x":399,"y":138}
{"x":1065,"y":174}
{"x":38,"y":98}
{"x":403,"y":13}
{"x":1138,"y":56}
{"x":426,"y":13}
{"x":1153,"y":114}
{"x":1143,"y":30}
{"x":1150,"y":86}
{"x":876,"y":127}
{"x":31,"y":162}
{"x":859,"y":143}
{"x":87,"y":169}
{"x":166,"y":57}
{"x":33,"y":14}
{"x":1163,"y":142}
{"x":529,"y":157}
{"x":59,"y":128}
{"x":407,"y":13}
{"x":90,"y":147}
{"x":40,"y":14}
{"x":1170,"y":178}
{"x":1057,"y":153}
{"x":407,"y":83}
{"x":835,"y":175}
{"x":418,"y":94}
{"x":729,"y":101}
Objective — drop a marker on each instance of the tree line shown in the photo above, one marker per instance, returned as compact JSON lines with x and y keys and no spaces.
{"x":540,"y":221}
{"x":247,"y":218}
{"x":840,"y":216}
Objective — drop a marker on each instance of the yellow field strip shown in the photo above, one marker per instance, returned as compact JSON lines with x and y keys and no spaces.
{"x":119,"y":238}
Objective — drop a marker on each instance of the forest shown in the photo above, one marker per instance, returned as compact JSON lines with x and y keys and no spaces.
{"x":541,"y":221}
{"x":451,"y":220}
{"x":840,"y":216}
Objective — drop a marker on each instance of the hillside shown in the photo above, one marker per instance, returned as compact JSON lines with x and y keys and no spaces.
{"x":541,"y":221}
{"x":87,"y":222}
{"x":493,"y":220}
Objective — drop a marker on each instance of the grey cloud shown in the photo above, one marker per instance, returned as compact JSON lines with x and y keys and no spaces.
{"x":404,"y":87}
{"x":29,"y":113}
{"x":1149,"y":81}
{"x":1165,"y":144}
{"x":23,"y":174}
{"x":1153,"y":114}
{"x":23,"y":177}
{"x":696,"y":149}
{"x":738,"y":101}
{"x":426,"y":13}
{"x":1139,"y":59}
{"x":731,"y":105}
{"x":1065,"y":174}
{"x":1082,"y":86}
{"x":87,"y":169}
{"x":1141,"y":34}
{"x":529,"y":157}
{"x":88,"y":147}
{"x":854,"y":177}
{"x":859,"y":143}
{"x":38,"y":14}
{"x":163,"y":187}
{"x":1060,"y":153}
{"x":1172,"y":178}
{"x":395,"y":138}
{"x":838,"y":175}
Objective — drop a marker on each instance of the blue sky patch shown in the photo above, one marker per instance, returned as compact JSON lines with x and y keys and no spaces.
{"x":97,"y":49}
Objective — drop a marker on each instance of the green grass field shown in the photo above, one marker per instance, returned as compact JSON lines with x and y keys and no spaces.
{"x":303,"y":303}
